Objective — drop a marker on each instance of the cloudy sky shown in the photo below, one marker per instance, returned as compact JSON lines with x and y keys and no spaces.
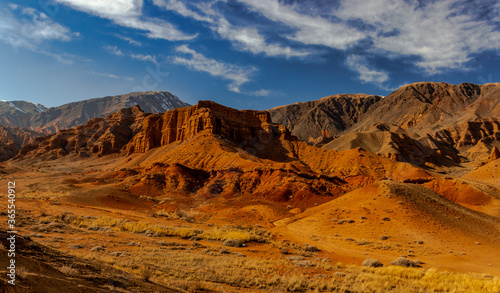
{"x":242,"y":53}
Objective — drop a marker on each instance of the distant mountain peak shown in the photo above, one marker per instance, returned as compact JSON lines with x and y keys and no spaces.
{"x":37,"y":117}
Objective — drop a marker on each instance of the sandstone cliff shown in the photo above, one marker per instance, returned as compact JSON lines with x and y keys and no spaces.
{"x":12,"y":139}
{"x":99,"y":136}
{"x":241,"y":127}
{"x":134,"y":131}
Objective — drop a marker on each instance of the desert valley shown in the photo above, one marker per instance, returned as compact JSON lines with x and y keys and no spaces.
{"x":348,"y":193}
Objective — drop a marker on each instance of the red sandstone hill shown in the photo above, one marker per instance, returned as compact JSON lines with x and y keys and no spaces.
{"x":214,"y":151}
{"x":233,"y":152}
{"x":230,"y":166}
{"x":209,"y":165}
{"x":99,"y":136}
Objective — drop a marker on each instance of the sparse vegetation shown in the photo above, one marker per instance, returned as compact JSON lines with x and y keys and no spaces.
{"x":370,"y":262}
{"x":22,"y":272}
{"x":225,"y":233}
{"x":146,"y":273}
{"x":195,"y":270}
{"x":68,"y":271}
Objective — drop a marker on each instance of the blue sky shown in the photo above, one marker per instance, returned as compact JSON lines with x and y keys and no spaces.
{"x":242,"y":53}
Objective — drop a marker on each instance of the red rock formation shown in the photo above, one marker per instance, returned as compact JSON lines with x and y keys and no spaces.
{"x":183,"y":123}
{"x":495,"y":154}
{"x":12,"y":139}
{"x":137,"y":132}
{"x":100,"y":136}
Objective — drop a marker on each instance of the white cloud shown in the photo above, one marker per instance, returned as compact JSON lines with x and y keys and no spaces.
{"x":244,"y":38}
{"x":436,"y":32}
{"x":237,"y":75}
{"x":62,"y":58}
{"x":112,"y":76}
{"x":129,"y":40}
{"x":33,"y":25}
{"x":29,"y":28}
{"x":311,"y":30}
{"x":496,"y":11}
{"x":143,"y":57}
{"x":249,"y":39}
{"x":259,"y":93}
{"x":182,"y":9}
{"x":113,"y":50}
{"x":128,"y":13}
{"x":366,"y":74}
{"x":118,"y":52}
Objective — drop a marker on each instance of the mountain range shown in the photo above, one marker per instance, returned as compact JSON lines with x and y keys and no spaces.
{"x":21,"y":122}
{"x":427,"y":124}
{"x":339,"y":180}
{"x":45,"y":120}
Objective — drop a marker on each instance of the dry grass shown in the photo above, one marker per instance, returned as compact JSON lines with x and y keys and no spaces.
{"x":69,"y":271}
{"x":146,"y":273}
{"x":194,"y":270}
{"x":22,"y":272}
{"x":242,"y":234}
{"x":225,"y":233}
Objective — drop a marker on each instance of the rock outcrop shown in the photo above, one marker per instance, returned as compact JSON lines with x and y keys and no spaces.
{"x":99,"y":136}
{"x":134,"y":131}
{"x":470,"y":133}
{"x":494,"y":155}
{"x":397,"y":144}
{"x":241,"y":127}
{"x":12,"y":139}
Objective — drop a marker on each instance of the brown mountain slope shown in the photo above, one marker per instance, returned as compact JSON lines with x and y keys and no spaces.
{"x":420,"y":105}
{"x":474,"y":138}
{"x":78,"y":113}
{"x":325,"y":117}
{"x":12,"y":139}
{"x":400,"y":145}
{"x":49,"y":120}
{"x":444,"y":125}
{"x":18,"y":113}
{"x":488,"y":173}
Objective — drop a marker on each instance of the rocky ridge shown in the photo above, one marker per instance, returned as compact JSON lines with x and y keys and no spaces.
{"x":99,"y":136}
{"x":241,"y":127}
{"x":51,"y":120}
{"x":328,"y":116}
{"x":435,"y":124}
